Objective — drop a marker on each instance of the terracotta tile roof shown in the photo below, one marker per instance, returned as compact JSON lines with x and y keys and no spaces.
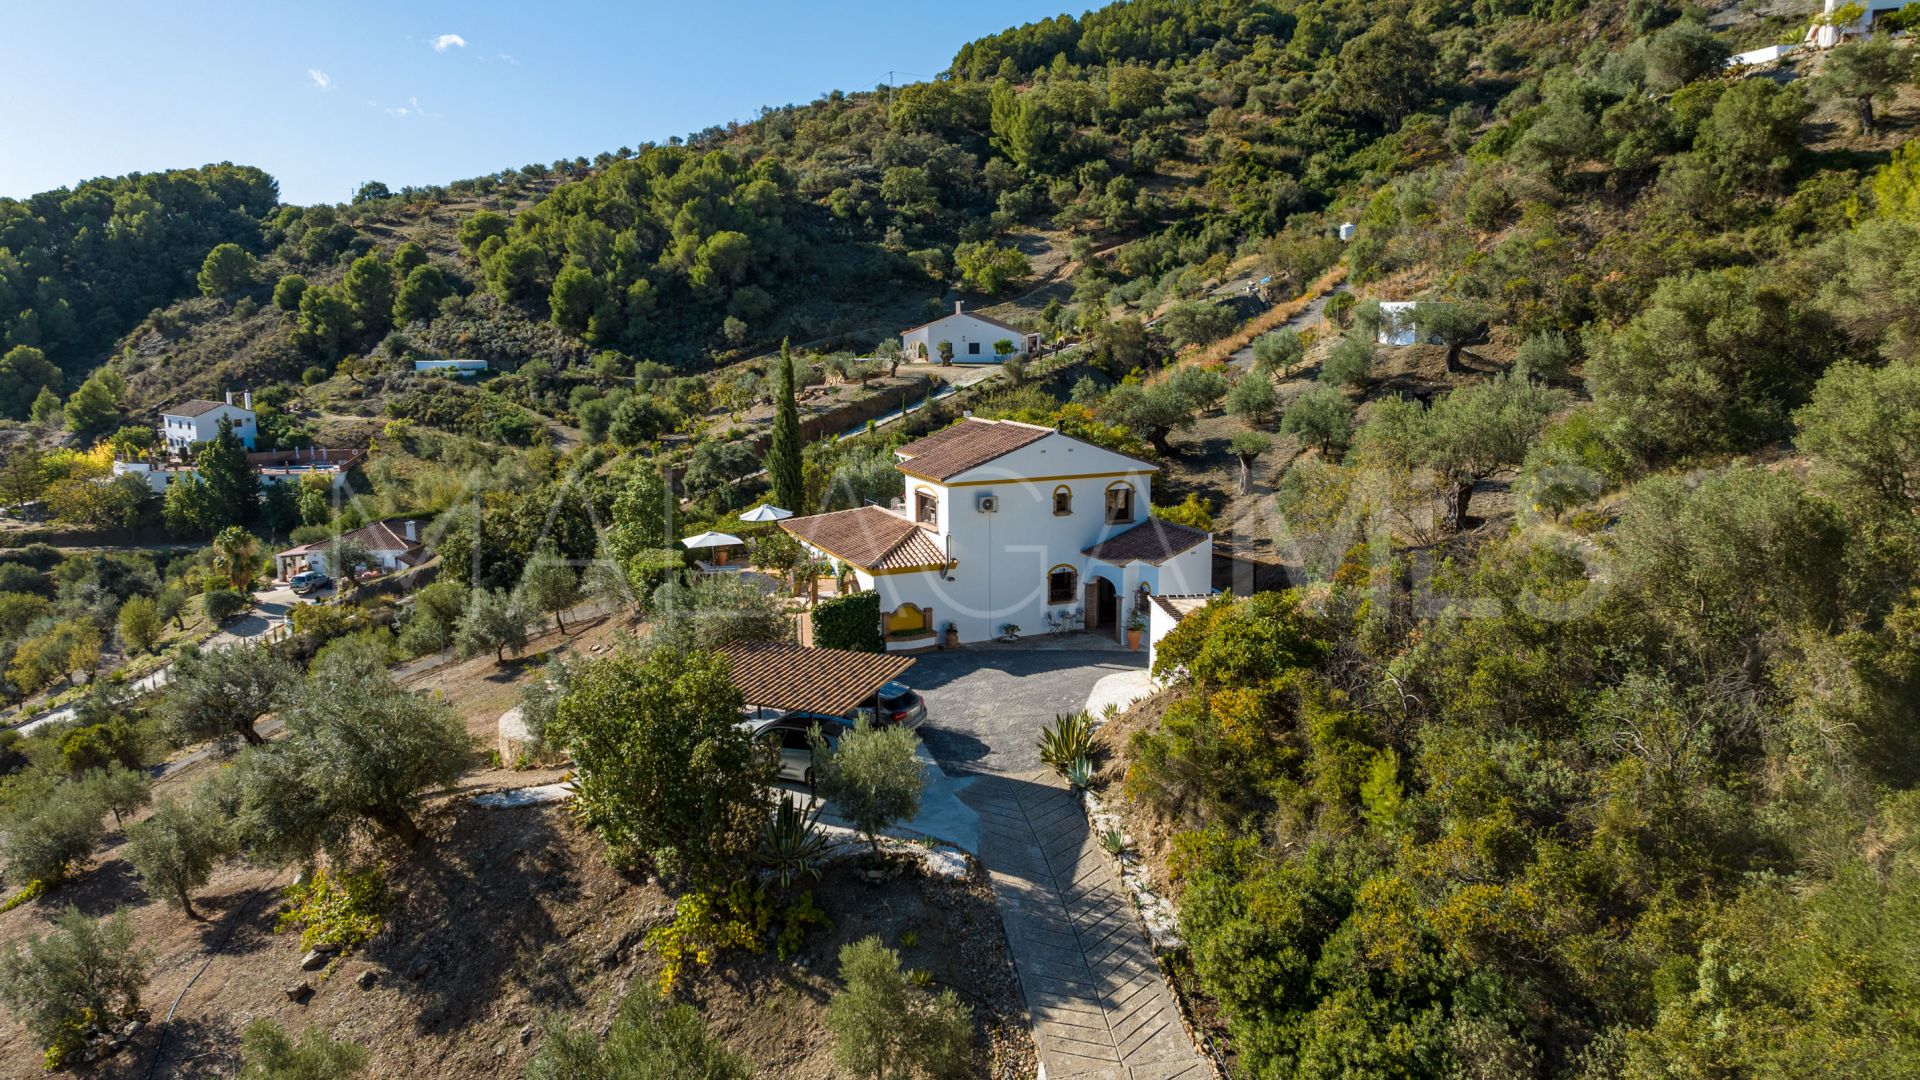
{"x":830,"y":681}
{"x":1016,"y":331}
{"x":969,"y":443}
{"x":1152,"y":541}
{"x":379,"y":536}
{"x":870,"y":538}
{"x":1181,"y":605}
{"x":196,"y":407}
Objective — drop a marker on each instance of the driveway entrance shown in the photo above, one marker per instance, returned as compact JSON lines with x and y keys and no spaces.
{"x":1097,"y":1003}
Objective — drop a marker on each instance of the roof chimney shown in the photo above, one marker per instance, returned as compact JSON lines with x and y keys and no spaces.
{"x":413,"y":531}
{"x":229,"y":397}
{"x":957,"y":305}
{"x":246,"y":399}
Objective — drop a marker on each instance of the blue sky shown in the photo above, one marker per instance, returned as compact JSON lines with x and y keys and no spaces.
{"x":324,"y":96}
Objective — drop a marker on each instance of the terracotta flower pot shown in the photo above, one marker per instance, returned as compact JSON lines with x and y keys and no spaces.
{"x":1133,"y":638}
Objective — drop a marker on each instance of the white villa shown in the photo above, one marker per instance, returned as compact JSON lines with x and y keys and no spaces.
{"x":972,"y":337}
{"x":1010,"y":523}
{"x":1824,"y":34}
{"x":198,"y":421}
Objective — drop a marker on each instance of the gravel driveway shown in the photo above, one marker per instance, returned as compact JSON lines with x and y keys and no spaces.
{"x":987,"y":703}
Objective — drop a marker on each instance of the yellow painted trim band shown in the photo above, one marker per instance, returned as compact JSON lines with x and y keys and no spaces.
{"x":1024,"y":479}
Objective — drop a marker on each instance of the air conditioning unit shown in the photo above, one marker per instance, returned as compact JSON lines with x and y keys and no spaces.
{"x":987,"y":504}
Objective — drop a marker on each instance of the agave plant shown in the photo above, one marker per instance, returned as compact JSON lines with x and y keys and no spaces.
{"x":1068,"y":739}
{"x":1113,"y":841}
{"x":791,"y":844}
{"x":1080,"y":774}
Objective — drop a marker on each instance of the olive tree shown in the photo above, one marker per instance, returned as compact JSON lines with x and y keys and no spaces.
{"x":371,"y":747}
{"x":1253,"y":400}
{"x":1322,"y":416}
{"x":884,"y":1027}
{"x":1247,"y":446}
{"x":75,"y":978}
{"x":175,"y":850}
{"x":495,"y":621}
{"x":47,"y":834}
{"x":550,"y":586}
{"x":1860,"y":73}
{"x":873,"y":777}
{"x":224,"y":692}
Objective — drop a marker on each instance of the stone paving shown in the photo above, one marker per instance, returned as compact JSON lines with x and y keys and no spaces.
{"x":1100,"y":1008}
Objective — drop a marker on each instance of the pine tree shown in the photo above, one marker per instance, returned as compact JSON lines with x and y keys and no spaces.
{"x":783,"y":455}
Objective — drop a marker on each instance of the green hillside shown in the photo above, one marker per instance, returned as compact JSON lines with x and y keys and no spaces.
{"x":1584,"y":745}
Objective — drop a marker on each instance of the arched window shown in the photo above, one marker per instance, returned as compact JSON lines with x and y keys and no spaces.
{"x":1120,"y":503}
{"x":1062,"y":501}
{"x":1063,"y":585}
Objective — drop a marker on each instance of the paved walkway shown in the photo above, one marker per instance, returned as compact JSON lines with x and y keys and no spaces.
{"x":1100,"y":1008}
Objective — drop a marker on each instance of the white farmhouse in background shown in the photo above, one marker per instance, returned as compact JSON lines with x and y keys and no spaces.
{"x":1397,"y":322}
{"x":198,"y":421}
{"x":394,"y":545}
{"x":272,"y":466}
{"x":972,"y":337}
{"x":1825,"y":35}
{"x":464,"y":369}
{"x":1004,"y":523}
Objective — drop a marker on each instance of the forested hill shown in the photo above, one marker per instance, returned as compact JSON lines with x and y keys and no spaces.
{"x":79,"y":267}
{"x":1169,"y":136}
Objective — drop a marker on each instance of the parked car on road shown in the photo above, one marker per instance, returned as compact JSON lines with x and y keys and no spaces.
{"x":309,"y":581}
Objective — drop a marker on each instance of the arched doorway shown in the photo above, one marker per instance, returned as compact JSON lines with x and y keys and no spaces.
{"x":1103,"y":607}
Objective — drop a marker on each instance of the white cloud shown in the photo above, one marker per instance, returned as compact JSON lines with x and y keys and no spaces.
{"x":506,"y":58}
{"x":449,"y":41}
{"x":409,"y":110}
{"x":321,"y":80}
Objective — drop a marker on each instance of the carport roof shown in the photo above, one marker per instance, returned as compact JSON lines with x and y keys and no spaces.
{"x":829,"y":681}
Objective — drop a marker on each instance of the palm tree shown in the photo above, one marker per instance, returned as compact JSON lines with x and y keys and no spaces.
{"x":236,"y":553}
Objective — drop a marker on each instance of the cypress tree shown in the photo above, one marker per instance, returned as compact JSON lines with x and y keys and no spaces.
{"x":231,"y":481}
{"x":783,"y":454}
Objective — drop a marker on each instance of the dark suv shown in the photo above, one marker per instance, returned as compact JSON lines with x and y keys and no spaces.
{"x":899,"y":705}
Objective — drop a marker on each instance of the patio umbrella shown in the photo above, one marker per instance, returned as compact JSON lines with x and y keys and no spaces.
{"x":764,"y":512}
{"x":712,"y":540}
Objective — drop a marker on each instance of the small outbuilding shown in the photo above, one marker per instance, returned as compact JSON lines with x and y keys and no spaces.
{"x":972,"y":337}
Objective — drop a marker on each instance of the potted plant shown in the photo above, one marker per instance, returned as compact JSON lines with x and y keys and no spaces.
{"x":949,"y":636}
{"x":1136,"y":625}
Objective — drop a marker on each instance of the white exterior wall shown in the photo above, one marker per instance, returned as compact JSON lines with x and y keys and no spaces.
{"x":1004,"y":557}
{"x":180,"y":432}
{"x":159,"y":479}
{"x":1398,"y":327}
{"x":962,"y":330}
{"x":1826,"y":37}
{"x":1189,"y":573}
{"x":1159,"y":625}
{"x":388,"y":560}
